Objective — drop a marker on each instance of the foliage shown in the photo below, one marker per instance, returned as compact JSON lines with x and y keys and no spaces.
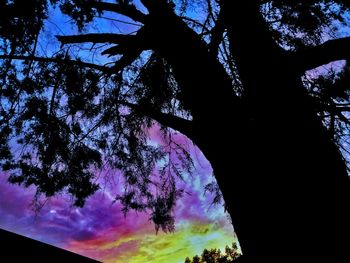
{"x":330,"y":91}
{"x":216,"y":256}
{"x":298,"y":24}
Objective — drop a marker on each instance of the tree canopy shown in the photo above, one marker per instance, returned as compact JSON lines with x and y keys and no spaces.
{"x":89,"y":98}
{"x":216,"y":256}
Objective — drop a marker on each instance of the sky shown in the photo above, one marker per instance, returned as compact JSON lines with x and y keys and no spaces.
{"x":100,"y":230}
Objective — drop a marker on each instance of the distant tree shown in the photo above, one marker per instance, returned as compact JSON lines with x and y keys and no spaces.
{"x":215,"y":256}
{"x":196,"y":259}
{"x":229,"y":75}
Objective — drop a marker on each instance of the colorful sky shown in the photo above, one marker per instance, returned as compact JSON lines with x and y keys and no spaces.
{"x":99,"y":230}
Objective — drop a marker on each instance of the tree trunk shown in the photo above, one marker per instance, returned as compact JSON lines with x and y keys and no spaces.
{"x":289,"y":196}
{"x":283,"y":180}
{"x":285,"y":187}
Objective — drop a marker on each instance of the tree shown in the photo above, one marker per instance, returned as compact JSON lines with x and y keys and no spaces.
{"x":234,"y":83}
{"x":215,"y":256}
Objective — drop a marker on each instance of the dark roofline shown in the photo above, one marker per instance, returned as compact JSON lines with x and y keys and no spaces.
{"x":17,"y":248}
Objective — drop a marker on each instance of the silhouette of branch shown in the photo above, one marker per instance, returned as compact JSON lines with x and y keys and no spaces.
{"x":119,"y":21}
{"x":57,"y":60}
{"x":126,"y":60}
{"x":217,"y":34}
{"x":182,"y":125}
{"x":130,"y":49}
{"x":96,"y":38}
{"x":327,"y":52}
{"x":193,"y":21}
{"x":128,"y":10}
{"x":343,"y":109}
{"x":116,"y":50}
{"x":137,"y":43}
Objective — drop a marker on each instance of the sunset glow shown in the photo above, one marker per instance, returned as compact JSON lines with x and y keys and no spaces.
{"x":101,"y":231}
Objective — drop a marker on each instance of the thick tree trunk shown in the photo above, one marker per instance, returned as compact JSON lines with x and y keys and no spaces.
{"x":283,"y":180}
{"x":289,"y":196}
{"x":285,"y":188}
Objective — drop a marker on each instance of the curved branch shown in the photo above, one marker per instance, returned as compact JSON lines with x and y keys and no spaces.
{"x":115,"y":50}
{"x":177,"y":123}
{"x":96,"y":38}
{"x":103,"y":69}
{"x":137,"y":43}
{"x":126,"y":60}
{"x":327,"y":52}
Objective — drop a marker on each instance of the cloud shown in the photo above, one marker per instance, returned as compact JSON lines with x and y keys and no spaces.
{"x":190,"y":238}
{"x":100,"y":230}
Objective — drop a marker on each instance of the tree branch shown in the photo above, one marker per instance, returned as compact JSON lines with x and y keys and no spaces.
{"x":182,"y":125}
{"x":343,"y":108}
{"x":130,"y":50}
{"x":96,"y":38}
{"x":126,"y":60}
{"x":57,"y":60}
{"x":130,"y":46}
{"x":115,"y":50}
{"x":217,"y":34}
{"x":327,"y":52}
{"x":119,"y":21}
{"x":128,"y":10}
{"x":137,"y":43}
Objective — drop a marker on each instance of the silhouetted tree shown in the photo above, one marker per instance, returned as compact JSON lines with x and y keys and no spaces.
{"x":215,"y":256}
{"x":232,"y":79}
